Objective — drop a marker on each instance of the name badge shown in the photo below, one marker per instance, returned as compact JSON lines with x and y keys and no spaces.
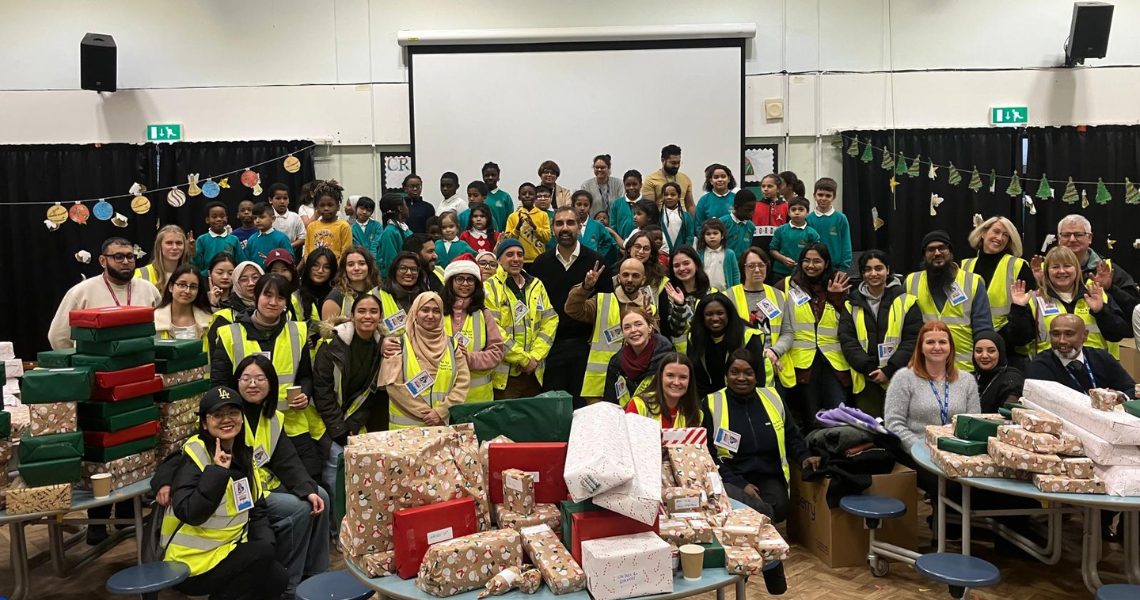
{"x":621,"y":388}
{"x":798,"y":296}
{"x":420,"y":383}
{"x":886,"y":351}
{"x":957,"y":296}
{"x":268,"y":355}
{"x":613,"y":335}
{"x":765,"y":231}
{"x":462,"y":340}
{"x":242,"y":495}
{"x":519,"y":310}
{"x":727,"y":439}
{"x":1081,"y":310}
{"x":396,"y":322}
{"x":688,"y":313}
{"x":1050,"y":309}
{"x":769,"y":308}
{"x":260,"y":456}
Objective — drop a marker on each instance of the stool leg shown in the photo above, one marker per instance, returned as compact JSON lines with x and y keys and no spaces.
{"x":150,"y":596}
{"x":879,"y":566}
{"x":958,"y":592}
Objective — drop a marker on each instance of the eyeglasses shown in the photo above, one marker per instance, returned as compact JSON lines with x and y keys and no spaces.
{"x":755,"y":266}
{"x":182,"y":285}
{"x":407,"y":269}
{"x":248,"y":279}
{"x":248,"y":379}
{"x":465,"y":279}
{"x":815,"y":262}
{"x":226,"y":415}
{"x":124,"y":257}
{"x":1072,"y":235}
{"x":641,"y":248}
{"x":937,"y":249}
{"x":490,"y":264}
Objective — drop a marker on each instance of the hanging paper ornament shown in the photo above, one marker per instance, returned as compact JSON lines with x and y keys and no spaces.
{"x":119,"y":220}
{"x":1111,"y":242}
{"x":955,"y":176}
{"x":1136,"y":244}
{"x":210,"y":189}
{"x":852,"y":150}
{"x":993,"y":180}
{"x":293,"y":164}
{"x":138,"y":189}
{"x":914,"y":167}
{"x":978,"y":220}
{"x":867,"y":156}
{"x":935,"y":200}
{"x":1084,"y":199}
{"x":1131,"y":194}
{"x":257,"y":189}
{"x":888,"y":159}
{"x":194,"y":190}
{"x":79,"y":213}
{"x":1043,"y":189}
{"x":900,"y":165}
{"x":139,"y":252}
{"x":1014,"y":188}
{"x":141,"y":205}
{"x":836,"y":140}
{"x":875,"y":218}
{"x":176,"y":197}
{"x":894,"y":183}
{"x":1070,"y":196}
{"x":83,"y":256}
{"x":57,"y":214}
{"x":933,"y":172}
{"x":103,"y":210}
{"x":975,"y":181}
{"x":1102,"y":195}
{"x":1028,"y":202}
{"x":248,"y":178}
{"x":224,"y":183}
{"x":51,"y":226}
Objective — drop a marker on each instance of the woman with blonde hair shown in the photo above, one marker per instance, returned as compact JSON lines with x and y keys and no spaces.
{"x":172,"y":249}
{"x":999,"y":264}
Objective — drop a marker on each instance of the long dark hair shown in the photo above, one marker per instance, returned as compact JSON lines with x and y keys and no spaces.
{"x":701,"y":277}
{"x":269,"y":405}
{"x":201,"y":299}
{"x":394,"y":288}
{"x":313,"y":294}
{"x":480,"y":207}
{"x":690,"y":405}
{"x":798,"y":274}
{"x":654,"y":270}
{"x":448,"y":295}
{"x":390,"y":204}
{"x":701,"y":339}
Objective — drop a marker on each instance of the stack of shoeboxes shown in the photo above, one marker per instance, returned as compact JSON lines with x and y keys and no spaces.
{"x":119,"y":420}
{"x":182,"y":365}
{"x":13,"y":371}
{"x":51,"y":447}
{"x":5,"y":454}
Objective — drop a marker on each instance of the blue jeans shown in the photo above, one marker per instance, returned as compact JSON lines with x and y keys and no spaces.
{"x":302,"y":539}
{"x":328,"y":474}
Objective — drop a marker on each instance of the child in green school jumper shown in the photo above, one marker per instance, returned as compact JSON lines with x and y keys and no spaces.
{"x":394,"y":211}
{"x":718,"y":198}
{"x":365,"y":230}
{"x":739,"y":224}
{"x":621,"y":209}
{"x":592,"y":234}
{"x":676,"y":223}
{"x":450,"y":247}
{"x":831,"y":225}
{"x":216,"y":240}
{"x":501,"y":203}
{"x":260,"y":244}
{"x":791,"y":238}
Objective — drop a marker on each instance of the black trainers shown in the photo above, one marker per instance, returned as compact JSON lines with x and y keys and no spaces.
{"x":96,"y":534}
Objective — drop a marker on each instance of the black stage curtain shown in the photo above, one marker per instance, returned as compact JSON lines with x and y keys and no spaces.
{"x":40,"y":265}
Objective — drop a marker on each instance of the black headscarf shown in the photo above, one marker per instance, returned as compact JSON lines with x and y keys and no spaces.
{"x":998,"y":384}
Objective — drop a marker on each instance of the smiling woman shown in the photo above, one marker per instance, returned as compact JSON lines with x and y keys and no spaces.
{"x":184,"y":312}
{"x":631,"y":371}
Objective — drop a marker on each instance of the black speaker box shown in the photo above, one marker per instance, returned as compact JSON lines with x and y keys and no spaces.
{"x":1088,"y":33}
{"x":97,"y":66}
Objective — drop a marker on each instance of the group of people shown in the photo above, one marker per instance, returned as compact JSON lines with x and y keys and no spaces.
{"x":731,"y":313}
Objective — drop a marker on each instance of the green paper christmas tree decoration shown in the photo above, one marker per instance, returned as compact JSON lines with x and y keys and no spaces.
{"x":900,"y":166}
{"x":853,"y":150}
{"x":837,"y":140}
{"x":993,"y":180}
{"x":975,"y":180}
{"x":1131,"y":194}
{"x":914,"y":167}
{"x":867,"y":156}
{"x":1102,"y":195}
{"x":888,"y":159}
{"x":1044,"y":192}
{"x":1014,"y":188}
{"x":955,"y":176}
{"x":1071,"y":196}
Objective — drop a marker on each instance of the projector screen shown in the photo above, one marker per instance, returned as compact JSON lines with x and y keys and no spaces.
{"x":518,"y":108}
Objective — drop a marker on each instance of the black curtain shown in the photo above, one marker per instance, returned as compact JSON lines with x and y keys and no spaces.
{"x":40,"y":264}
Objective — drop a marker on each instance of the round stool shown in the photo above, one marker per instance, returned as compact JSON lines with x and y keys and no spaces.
{"x":873,"y":509}
{"x":333,"y":585}
{"x":1118,"y":591}
{"x":958,"y":571}
{"x":148,"y":579}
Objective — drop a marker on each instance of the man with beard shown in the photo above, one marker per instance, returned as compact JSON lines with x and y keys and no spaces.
{"x":116,"y":286}
{"x":424,"y":247}
{"x":670,"y":172}
{"x":952,"y":295}
{"x":559,"y":268}
{"x":1076,"y":366}
{"x":527,"y":321}
{"x":1075,"y":233}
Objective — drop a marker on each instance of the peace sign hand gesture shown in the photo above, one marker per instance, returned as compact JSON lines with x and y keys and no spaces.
{"x":592,"y":276}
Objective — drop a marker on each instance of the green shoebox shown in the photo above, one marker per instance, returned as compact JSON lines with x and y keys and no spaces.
{"x":1006,"y":412}
{"x":43,"y":386}
{"x":568,"y":508}
{"x":1132,"y":407}
{"x":5,"y":424}
{"x":116,"y":347}
{"x":1013,"y":405}
{"x":102,"y":455}
{"x":173,"y":349}
{"x":53,"y":446}
{"x":94,"y":411}
{"x":714,"y":555}
{"x":51,"y":472}
{"x":963,"y":447}
{"x":975,"y":429}
{"x":55,"y":358}
{"x":113,"y":363}
{"x":111,"y":334}
{"x":165,"y":366}
{"x":120,"y":421}
{"x":183,"y":391}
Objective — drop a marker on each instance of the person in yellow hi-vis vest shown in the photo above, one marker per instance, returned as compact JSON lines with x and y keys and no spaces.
{"x":406,"y":280}
{"x":672,"y":398}
{"x":686,"y":274}
{"x":429,"y":374}
{"x":267,"y":331}
{"x":527,"y":321}
{"x":716,"y":332}
{"x":1075,"y":233}
{"x":172,"y":249}
{"x":472,"y":325}
{"x":632,"y":369}
{"x":356,"y":275}
{"x":753,"y":439}
{"x":217,"y":523}
{"x":999,"y":264}
{"x":245,"y":278}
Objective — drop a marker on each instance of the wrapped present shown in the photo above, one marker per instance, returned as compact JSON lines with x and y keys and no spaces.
{"x":1119,"y":481}
{"x":598,"y":456}
{"x":180,"y":432}
{"x":627,"y":566}
{"x":5,"y":424}
{"x":105,"y":439}
{"x":107,"y":454}
{"x":7,"y":351}
{"x":50,"y":472}
{"x":1067,"y":485}
{"x":1037,"y":422}
{"x":52,"y":359}
{"x":602,"y":524}
{"x":1071,"y":445}
{"x":473,"y":478}
{"x":53,"y":446}
{"x":43,"y":386}
{"x":374,"y":565}
{"x":94,"y":412}
{"x":179,"y":421}
{"x":126,"y":332}
{"x":569,"y":508}
{"x":5,"y":457}
{"x":694,"y":468}
{"x":128,"y":390}
{"x":668,"y":480}
{"x":1132,"y":407}
{"x":544,"y":462}
{"x":116,"y":348}
{"x":677,"y":532}
{"x":1105,"y":399}
{"x":545,"y":418}
{"x":121,"y":480}
{"x":960,"y":446}
{"x":742,"y":560}
{"x":1077,"y":468}
{"x":543,"y":514}
{"x":120,"y":466}
{"x":527,"y":582}
{"x":110,"y":316}
{"x":189,"y":375}
{"x":699,"y":526}
{"x":714,"y":555}
{"x":122,"y":421}
{"x":1020,"y":437}
{"x":181,"y":392}
{"x":415,"y":529}
{"x":171,"y":349}
{"x":178,"y":407}
{"x":518,"y":491}
{"x":934,"y":432}
{"x":112,"y":363}
{"x":21,"y":419}
{"x":772,"y":545}
{"x":110,"y":379}
{"x":13,"y":368}
{"x":559,"y":570}
{"x":1099,"y":450}
{"x":684,"y":435}
{"x":23,"y":500}
{"x":956,"y":465}
{"x":485,"y":449}
{"x":1073,"y":407}
{"x":743,"y":527}
{"x":1013,"y":457}
{"x":640,"y":497}
{"x":976,"y":428}
{"x":56,"y":417}
{"x":165,"y":449}
{"x":175,"y":365}
{"x":469,"y":562}
{"x":681,"y":500}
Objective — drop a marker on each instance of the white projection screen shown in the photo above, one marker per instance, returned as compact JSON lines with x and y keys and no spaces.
{"x":518,"y":107}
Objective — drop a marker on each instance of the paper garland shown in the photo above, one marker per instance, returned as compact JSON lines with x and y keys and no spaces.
{"x":293,"y":164}
{"x":1070,"y":196}
{"x":1102,"y":195}
{"x":867,"y":156}
{"x":955,"y":176}
{"x":853,"y":151}
{"x":1014,"y":188}
{"x":211,"y":189}
{"x":57,"y":214}
{"x":975,"y":180}
{"x":141,"y":205}
{"x":1043,"y":190}
{"x":79,"y":213}
{"x":192,"y":180}
{"x":1131,"y":194}
{"x":912,"y":172}
{"x":176,"y":197}
{"x":249,"y":178}
{"x":103,"y":210}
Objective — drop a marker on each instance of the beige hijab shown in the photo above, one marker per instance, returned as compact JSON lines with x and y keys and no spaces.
{"x":428,"y":344}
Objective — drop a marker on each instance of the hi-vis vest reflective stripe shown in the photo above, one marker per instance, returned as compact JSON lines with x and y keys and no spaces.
{"x":772,"y":405}
{"x":608,"y":316}
{"x":357,"y":402}
{"x":1006,"y":272}
{"x":681,"y":342}
{"x":388,"y":307}
{"x":444,"y":380}
{"x":1082,"y":310}
{"x":299,"y":310}
{"x":268,"y":434}
{"x":286,"y":356}
{"x":645,"y":384}
{"x":475,"y":330}
{"x":643,"y":410}
{"x":148,"y":273}
{"x":737,"y":294}
{"x":810,"y":335}
{"x":523,"y":333}
{"x":202,"y":547}
{"x":895,"y":320}
{"x":439,"y":272}
{"x":956,"y":318}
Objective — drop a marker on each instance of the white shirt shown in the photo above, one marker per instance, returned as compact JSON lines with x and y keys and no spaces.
{"x":566,"y":264}
{"x":829,"y":212}
{"x":1079,"y":358}
{"x":672,"y":219}
{"x":794,"y":226}
{"x":456,"y":203}
{"x":217,"y":235}
{"x":714,"y":268}
{"x":290,"y":224}
{"x":306,"y":211}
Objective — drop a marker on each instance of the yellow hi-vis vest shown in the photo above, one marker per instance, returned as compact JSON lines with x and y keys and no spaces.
{"x":299,"y":310}
{"x":895,"y":320}
{"x":532,"y":333}
{"x":268,"y":434}
{"x":772,"y":405}
{"x":475,"y":331}
{"x":810,"y":335}
{"x":435,"y":395}
{"x":338,"y":389}
{"x":788,"y":374}
{"x":388,"y":308}
{"x":956,"y":318}
{"x":681,"y":340}
{"x":202,"y":547}
{"x":605,"y":343}
{"x":997,"y":291}
{"x":1046,"y":309}
{"x":150,"y":274}
{"x":643,"y":410}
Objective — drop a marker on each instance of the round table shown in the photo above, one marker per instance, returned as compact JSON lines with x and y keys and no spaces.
{"x":1088,"y":504}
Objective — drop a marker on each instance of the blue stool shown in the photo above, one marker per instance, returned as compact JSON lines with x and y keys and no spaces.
{"x":333,"y":585}
{"x":1118,"y":591}
{"x":873,"y":510}
{"x":958,"y":571}
{"x":148,"y":579}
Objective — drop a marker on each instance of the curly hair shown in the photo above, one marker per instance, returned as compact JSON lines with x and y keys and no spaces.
{"x":330,"y":188}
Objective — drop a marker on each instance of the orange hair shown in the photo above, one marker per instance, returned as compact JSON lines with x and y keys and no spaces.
{"x":918,"y":359}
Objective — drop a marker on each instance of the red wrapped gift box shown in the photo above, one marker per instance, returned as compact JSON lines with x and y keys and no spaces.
{"x":603,"y":524}
{"x":110,"y":379}
{"x":111,"y":316}
{"x":414,"y":529}
{"x":545,"y":461}
{"x":106,"y":439}
{"x":127,"y":391}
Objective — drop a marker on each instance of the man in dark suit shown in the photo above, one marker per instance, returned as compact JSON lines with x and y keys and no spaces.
{"x":1072,"y":364}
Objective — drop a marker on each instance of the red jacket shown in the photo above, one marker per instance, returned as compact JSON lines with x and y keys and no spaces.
{"x":774,"y":214}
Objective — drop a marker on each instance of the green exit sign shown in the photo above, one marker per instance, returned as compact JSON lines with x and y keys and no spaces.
{"x":163,"y":133}
{"x":1009,"y":115}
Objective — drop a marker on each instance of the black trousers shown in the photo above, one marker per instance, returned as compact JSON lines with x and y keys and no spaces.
{"x":250,"y":572}
{"x":773,"y":498}
{"x":123,"y":510}
{"x":566,"y":368}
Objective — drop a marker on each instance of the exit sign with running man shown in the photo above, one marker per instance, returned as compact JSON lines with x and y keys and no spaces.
{"x":1009,"y":115}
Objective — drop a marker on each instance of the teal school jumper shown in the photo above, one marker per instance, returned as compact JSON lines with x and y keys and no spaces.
{"x":791,"y":241}
{"x":444,"y":257}
{"x":502,"y":205}
{"x":739,"y":234}
{"x":711,"y":206}
{"x":835,"y":233}
{"x":367,"y":236}
{"x":685,"y":236}
{"x":621,"y":217}
{"x":390,"y":244}
{"x":208,"y":246}
{"x":731,"y":268}
{"x":259,"y":245}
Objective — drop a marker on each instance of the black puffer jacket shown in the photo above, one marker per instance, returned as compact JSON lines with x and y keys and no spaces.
{"x":866,"y":361}
{"x":337,"y":353}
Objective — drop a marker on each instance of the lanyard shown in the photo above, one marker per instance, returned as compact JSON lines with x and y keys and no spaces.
{"x":1088,"y":369}
{"x":604,"y":193}
{"x":112,"y":291}
{"x":943,"y":404}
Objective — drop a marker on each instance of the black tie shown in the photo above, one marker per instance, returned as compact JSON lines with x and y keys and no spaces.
{"x":1081,"y":375}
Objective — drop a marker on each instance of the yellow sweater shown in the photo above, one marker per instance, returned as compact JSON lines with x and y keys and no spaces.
{"x":533,"y":234}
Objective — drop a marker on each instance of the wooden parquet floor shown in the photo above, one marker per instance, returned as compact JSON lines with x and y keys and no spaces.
{"x":1024,"y":578}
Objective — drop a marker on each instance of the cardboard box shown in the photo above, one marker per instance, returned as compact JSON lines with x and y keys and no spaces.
{"x":1130,"y":358}
{"x":839,"y":539}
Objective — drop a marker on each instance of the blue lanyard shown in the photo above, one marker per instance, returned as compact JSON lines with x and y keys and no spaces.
{"x":1088,"y":369}
{"x":943,"y":404}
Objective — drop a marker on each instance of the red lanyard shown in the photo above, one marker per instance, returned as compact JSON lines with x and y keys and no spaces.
{"x":112,"y":291}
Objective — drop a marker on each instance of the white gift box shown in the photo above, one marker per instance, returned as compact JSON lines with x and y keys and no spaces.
{"x":6,"y":351}
{"x":640,"y":497}
{"x":627,"y":566}
{"x":1119,"y":481}
{"x":1115,"y":427}
{"x":1100,"y":451}
{"x":684,"y":435}
{"x":598,"y":456}
{"x":13,"y":368}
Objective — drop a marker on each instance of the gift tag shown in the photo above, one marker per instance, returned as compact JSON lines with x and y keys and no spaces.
{"x":957,"y":296}
{"x":886,"y":351}
{"x":519,"y":310}
{"x":260,"y":456}
{"x":769,"y":308}
{"x":420,"y":383}
{"x":613,"y":335}
{"x":396,"y":322}
{"x":462,"y":340}
{"x":242,"y":496}
{"x":727,"y":439}
{"x":798,"y":296}
{"x":620,"y":388}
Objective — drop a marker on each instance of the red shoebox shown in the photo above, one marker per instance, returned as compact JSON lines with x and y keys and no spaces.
{"x":111,"y":316}
{"x":127,"y":391}
{"x":414,"y":529}
{"x":602,"y":524}
{"x":106,"y":439}
{"x":545,"y":461}
{"x":110,"y":379}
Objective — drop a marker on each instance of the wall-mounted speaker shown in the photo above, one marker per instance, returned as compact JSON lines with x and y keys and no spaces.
{"x":97,"y":63}
{"x":1088,"y":33}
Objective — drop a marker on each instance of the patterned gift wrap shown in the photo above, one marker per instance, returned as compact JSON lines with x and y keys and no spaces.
{"x":1032,"y":441}
{"x":24,"y":500}
{"x":544,"y":514}
{"x":559,"y":570}
{"x":1077,"y":468}
{"x":1106,"y":400}
{"x":1015,"y":458}
{"x":742,"y":560}
{"x":628,"y":565}
{"x":743,"y":527}
{"x":956,"y":465}
{"x":56,"y":417}
{"x":469,"y":562}
{"x":518,"y":491}
{"x":172,"y":379}
{"x":527,"y":582}
{"x":933,"y":432}
{"x":1037,"y":422}
{"x":1062,"y":484}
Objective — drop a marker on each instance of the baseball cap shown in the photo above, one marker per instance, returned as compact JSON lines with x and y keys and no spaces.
{"x":278,"y":254}
{"x":216,"y":398}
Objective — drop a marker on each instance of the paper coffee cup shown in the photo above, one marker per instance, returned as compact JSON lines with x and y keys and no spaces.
{"x":101,"y":485}
{"x":292,"y":392}
{"x":692,"y":561}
